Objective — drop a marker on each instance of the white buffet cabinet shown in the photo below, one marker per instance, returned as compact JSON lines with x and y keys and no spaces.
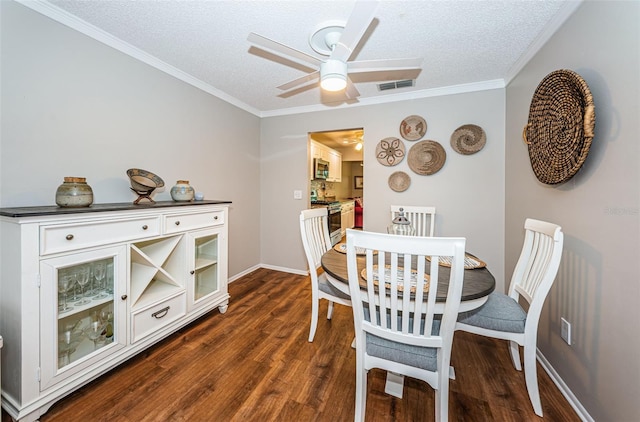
{"x":82,"y":290}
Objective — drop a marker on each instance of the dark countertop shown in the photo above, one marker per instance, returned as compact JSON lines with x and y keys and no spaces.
{"x":124,"y":206}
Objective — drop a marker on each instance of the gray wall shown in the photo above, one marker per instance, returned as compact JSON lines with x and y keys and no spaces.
{"x":468,"y":191}
{"x":72,"y":106}
{"x":598,"y":286}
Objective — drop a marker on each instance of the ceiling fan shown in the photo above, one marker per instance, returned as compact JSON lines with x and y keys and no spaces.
{"x":337,"y":42}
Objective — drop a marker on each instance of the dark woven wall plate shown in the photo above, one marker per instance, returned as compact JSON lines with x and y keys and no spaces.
{"x":560,"y":127}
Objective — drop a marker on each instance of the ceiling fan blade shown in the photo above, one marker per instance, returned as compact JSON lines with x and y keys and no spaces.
{"x":300,"y":81}
{"x":299,"y":56}
{"x":363,"y":66}
{"x":351,"y":91}
{"x":359,"y":21}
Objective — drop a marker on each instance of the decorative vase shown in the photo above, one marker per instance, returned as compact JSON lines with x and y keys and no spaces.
{"x":74,"y":193}
{"x":182,"y":191}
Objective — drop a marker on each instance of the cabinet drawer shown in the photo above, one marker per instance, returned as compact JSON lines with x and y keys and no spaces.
{"x":69,"y":237}
{"x":183,"y":222}
{"x":152,"y":319}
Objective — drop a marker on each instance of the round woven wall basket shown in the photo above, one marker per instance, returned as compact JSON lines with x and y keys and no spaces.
{"x":560,"y":127}
{"x":468,"y":139}
{"x":390,"y":151}
{"x":426,"y":157}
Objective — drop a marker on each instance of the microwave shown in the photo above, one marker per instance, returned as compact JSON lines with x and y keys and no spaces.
{"x":320,"y":169}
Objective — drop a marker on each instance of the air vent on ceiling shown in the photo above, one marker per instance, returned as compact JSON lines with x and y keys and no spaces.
{"x":396,"y":84}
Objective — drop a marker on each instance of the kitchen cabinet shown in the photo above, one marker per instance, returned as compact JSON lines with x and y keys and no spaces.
{"x":347,"y":216}
{"x":335,"y":166}
{"x":83,"y":290}
{"x":318,"y":150}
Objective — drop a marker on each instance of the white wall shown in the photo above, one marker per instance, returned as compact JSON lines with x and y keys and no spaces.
{"x":468,"y":191}
{"x":72,"y":106}
{"x":598,"y":285}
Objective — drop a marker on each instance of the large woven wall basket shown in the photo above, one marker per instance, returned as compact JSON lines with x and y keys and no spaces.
{"x":560,"y":127}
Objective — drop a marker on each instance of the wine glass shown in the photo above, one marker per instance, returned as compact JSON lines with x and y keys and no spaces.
{"x":99,"y":272}
{"x":64,"y":283}
{"x":106,"y":317}
{"x":109,"y":279}
{"x":67,"y":343}
{"x":94,"y":331}
{"x":83,"y":276}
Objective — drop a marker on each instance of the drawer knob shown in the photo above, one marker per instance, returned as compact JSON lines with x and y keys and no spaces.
{"x":192,"y":272}
{"x":145,"y":227}
{"x":69,"y":237}
{"x":177,"y":223}
{"x":161,"y":313}
{"x":215,"y":217}
{"x":123,"y":297}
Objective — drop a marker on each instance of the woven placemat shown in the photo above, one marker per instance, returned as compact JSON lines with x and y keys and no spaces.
{"x":342,"y":248}
{"x":387,"y":285}
{"x":470,"y":261}
{"x":426,"y":157}
{"x":559,"y":131}
{"x":468,"y":139}
{"x":390,"y":151}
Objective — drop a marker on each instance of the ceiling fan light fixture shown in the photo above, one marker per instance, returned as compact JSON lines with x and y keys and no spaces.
{"x":333,"y":75}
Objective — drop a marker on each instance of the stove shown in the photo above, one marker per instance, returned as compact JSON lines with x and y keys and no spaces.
{"x":335,"y":218}
{"x":320,"y":202}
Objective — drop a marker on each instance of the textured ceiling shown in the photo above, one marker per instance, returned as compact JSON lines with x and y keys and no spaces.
{"x":461,"y":42}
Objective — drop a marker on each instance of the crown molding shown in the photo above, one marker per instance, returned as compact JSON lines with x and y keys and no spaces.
{"x":59,"y":15}
{"x":390,"y":98}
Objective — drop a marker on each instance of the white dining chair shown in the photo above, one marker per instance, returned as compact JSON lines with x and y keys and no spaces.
{"x":502,"y":317}
{"x":423,"y":219}
{"x":314,"y":230}
{"x":397,"y":331}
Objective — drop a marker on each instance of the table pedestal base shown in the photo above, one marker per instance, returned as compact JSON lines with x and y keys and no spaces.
{"x":394,"y":384}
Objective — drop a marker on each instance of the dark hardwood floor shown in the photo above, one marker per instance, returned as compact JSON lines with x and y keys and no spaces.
{"x":254,"y":364}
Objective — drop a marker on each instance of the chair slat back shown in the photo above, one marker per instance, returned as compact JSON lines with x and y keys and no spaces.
{"x":314,"y":230}
{"x":539,"y":261}
{"x":423,"y":219}
{"x":394,"y":309}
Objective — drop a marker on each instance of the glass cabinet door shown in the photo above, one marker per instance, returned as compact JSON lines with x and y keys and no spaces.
{"x":81,"y":319}
{"x":206,"y":268}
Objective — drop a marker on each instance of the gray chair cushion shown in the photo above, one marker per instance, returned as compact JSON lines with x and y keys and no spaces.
{"x":499,"y":313}
{"x":419,"y":357}
{"x":416,"y":356}
{"x":325,"y":286}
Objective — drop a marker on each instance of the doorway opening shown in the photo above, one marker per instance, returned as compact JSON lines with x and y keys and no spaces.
{"x":341,"y":151}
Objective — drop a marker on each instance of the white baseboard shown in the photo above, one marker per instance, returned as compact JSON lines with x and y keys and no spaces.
{"x":243,"y":273}
{"x":564,"y":389}
{"x":269,"y":267}
{"x":284,"y":269}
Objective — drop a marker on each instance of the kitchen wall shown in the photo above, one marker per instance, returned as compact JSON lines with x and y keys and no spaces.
{"x":72,"y":106}
{"x":598,"y":285}
{"x":468,"y":191}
